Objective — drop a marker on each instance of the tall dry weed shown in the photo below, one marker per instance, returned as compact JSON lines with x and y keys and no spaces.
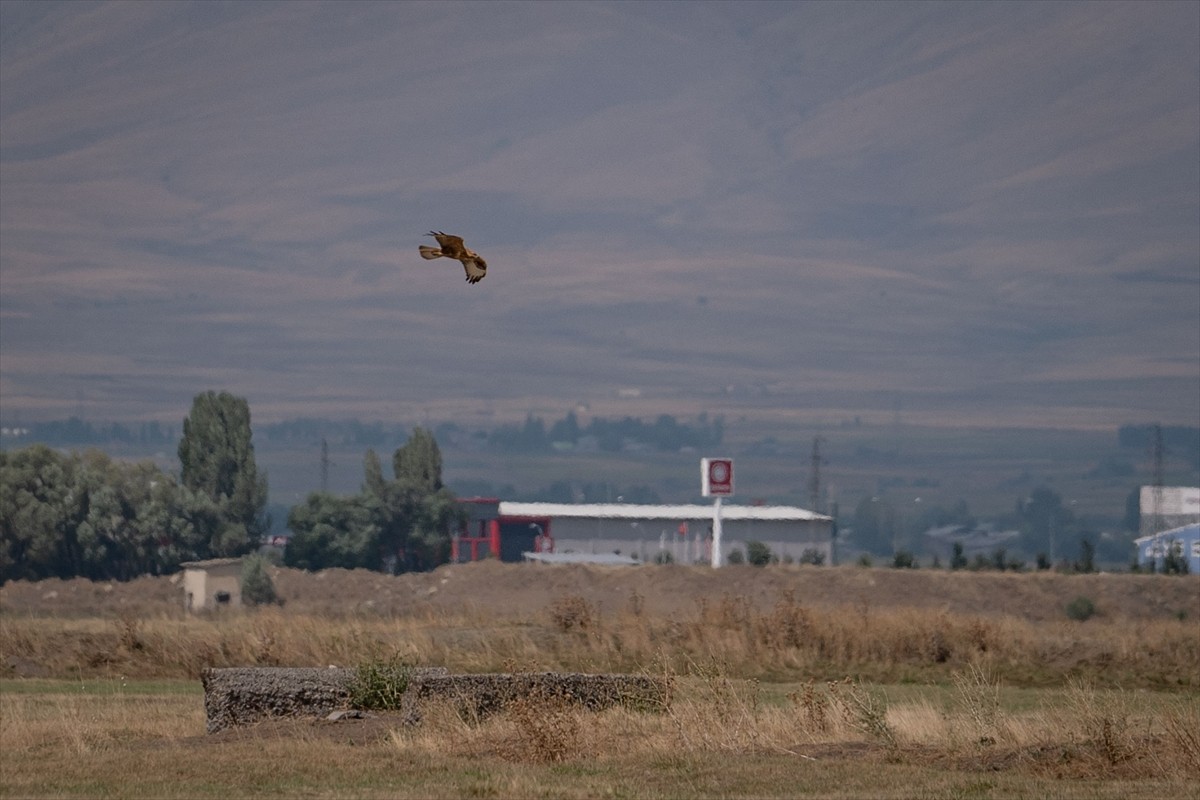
{"x":1182,"y":740}
{"x":545,"y":727}
{"x":978,"y":694}
{"x":1106,"y":723}
{"x":572,"y":612}
{"x":784,"y":641}
{"x":720,"y":714}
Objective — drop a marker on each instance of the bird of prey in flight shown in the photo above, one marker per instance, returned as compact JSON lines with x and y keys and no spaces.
{"x":453,"y":247}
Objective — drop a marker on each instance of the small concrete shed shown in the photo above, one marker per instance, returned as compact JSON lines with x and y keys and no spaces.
{"x":212,"y":584}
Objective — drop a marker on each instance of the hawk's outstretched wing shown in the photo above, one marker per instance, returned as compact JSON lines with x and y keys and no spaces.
{"x":453,"y":247}
{"x":476,"y":268}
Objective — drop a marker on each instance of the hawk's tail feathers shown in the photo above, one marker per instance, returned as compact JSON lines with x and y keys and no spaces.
{"x":430,"y":252}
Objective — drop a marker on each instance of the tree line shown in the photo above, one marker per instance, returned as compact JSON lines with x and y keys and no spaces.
{"x":84,"y":514}
{"x":665,"y":433}
{"x":1048,"y":529}
{"x":87,"y":515}
{"x":394,"y":524}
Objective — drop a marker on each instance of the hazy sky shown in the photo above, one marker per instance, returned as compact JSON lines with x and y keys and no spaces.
{"x":964,"y":211}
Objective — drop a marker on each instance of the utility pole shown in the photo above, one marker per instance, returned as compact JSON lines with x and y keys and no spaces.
{"x":324,"y":466}
{"x":1156,"y":523}
{"x":814,"y":477}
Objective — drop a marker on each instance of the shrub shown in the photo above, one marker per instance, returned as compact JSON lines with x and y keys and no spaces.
{"x":903,"y":560}
{"x":664,"y":557}
{"x":546,"y":728}
{"x":999,"y":558}
{"x":1174,"y":562}
{"x":813,"y":556}
{"x":758,"y":554}
{"x":1087,"y":556}
{"x":867,"y":710}
{"x":736,"y":557}
{"x":257,"y":587}
{"x":1081,"y":608}
{"x":380,"y":685}
{"x":572,"y":611}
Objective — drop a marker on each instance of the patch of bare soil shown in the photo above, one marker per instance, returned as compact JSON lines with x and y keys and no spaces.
{"x":524,"y":590}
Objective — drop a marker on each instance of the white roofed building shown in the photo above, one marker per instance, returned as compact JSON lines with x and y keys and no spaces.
{"x":642,"y":531}
{"x":1183,"y":541}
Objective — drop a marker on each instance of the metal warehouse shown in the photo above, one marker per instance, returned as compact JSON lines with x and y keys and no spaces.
{"x":640,"y":532}
{"x":1184,"y":541}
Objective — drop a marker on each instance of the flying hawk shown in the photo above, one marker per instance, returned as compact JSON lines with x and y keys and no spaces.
{"x":453,"y":247}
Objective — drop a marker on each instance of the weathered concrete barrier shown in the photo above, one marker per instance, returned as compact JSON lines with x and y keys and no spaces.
{"x":477,"y":696}
{"x":235,"y":696}
{"x":238,"y":696}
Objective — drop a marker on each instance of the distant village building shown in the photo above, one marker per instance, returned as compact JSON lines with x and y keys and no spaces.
{"x":1184,"y":541}
{"x":212,"y":584}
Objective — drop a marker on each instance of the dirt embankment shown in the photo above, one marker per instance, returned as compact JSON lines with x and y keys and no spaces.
{"x":515,"y":590}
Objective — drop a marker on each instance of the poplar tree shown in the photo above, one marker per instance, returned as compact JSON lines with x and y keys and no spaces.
{"x":216,"y":459}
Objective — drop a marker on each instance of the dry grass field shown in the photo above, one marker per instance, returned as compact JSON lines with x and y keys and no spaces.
{"x":787,"y":681}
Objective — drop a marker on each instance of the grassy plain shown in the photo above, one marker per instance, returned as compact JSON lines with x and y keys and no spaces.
{"x":772,"y":696}
{"x":721,"y":737}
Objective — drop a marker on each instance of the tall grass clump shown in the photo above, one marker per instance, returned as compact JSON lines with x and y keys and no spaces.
{"x":979,"y":700}
{"x":545,"y":726}
{"x":380,"y":685}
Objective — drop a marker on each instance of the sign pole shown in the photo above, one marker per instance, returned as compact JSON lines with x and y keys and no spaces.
{"x":716,"y":481}
{"x":716,"y":542}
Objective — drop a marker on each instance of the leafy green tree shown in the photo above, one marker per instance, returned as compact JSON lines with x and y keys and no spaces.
{"x":373,"y":481}
{"x":418,"y":463}
{"x":332,"y":531}
{"x":182,"y":523}
{"x":87,"y":515}
{"x":416,"y":512}
{"x":216,"y":458}
{"x":33,"y":500}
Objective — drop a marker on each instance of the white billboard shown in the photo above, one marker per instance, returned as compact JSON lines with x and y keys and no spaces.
{"x":1170,"y":501}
